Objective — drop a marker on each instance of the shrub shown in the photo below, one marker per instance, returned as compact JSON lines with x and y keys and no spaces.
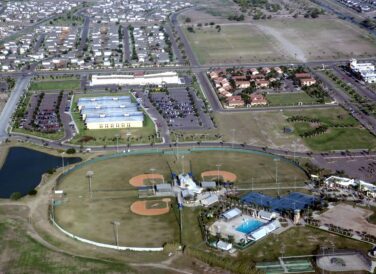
{"x":33,"y":192}
{"x":71,"y":151}
{"x":15,"y":196}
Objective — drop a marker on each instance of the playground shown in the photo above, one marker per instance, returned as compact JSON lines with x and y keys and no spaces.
{"x":111,"y":193}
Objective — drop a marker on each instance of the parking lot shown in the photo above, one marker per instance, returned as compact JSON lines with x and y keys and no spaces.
{"x":44,"y":112}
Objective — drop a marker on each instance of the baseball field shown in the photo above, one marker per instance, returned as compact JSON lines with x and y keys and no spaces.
{"x":151,"y":222}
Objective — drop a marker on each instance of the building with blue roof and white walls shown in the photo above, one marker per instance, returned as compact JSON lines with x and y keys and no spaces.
{"x":108,"y":112}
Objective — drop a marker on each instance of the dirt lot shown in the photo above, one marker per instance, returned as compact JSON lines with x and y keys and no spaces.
{"x":349,"y":217}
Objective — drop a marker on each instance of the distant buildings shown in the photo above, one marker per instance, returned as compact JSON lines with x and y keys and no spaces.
{"x":110,"y":112}
{"x":139,"y":80}
{"x":366,"y":70}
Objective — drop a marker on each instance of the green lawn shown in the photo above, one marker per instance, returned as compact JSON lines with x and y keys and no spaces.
{"x":55,"y":85}
{"x":24,"y":255}
{"x":108,"y":136}
{"x":51,"y":136}
{"x":113,"y":195}
{"x":290,"y":99}
{"x":344,"y":132}
{"x":298,"y":241}
{"x":236,"y":43}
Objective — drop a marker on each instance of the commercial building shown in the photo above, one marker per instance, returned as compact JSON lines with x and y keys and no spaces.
{"x":110,"y":112}
{"x":136,"y":80}
{"x":366,"y":70}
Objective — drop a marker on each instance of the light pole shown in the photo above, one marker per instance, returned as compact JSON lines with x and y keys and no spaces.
{"x":233,"y":137}
{"x":62,"y":160}
{"x":276,"y":160}
{"x":117,"y":143}
{"x":116,"y":224}
{"x":218,"y":166}
{"x":90,"y":175}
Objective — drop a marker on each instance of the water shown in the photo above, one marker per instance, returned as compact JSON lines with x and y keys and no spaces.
{"x":23,"y":168}
{"x":249,"y":226}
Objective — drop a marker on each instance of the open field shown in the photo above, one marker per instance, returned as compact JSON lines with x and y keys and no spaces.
{"x":234,"y":43}
{"x":316,"y":39}
{"x":299,"y":241}
{"x":146,"y":134}
{"x":344,"y":132}
{"x":112,"y":195}
{"x":22,"y":254}
{"x":270,"y":41}
{"x":68,"y":84}
{"x":258,"y":128}
{"x":290,"y":99}
{"x":349,"y":217}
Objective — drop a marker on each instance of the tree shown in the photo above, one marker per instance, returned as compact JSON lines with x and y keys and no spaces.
{"x":188,"y":20}
{"x":15,"y":196}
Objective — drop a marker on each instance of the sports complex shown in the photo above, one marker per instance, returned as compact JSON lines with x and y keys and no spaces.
{"x":107,"y":190}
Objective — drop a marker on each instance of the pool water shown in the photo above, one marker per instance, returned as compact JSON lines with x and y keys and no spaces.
{"x":249,"y":226}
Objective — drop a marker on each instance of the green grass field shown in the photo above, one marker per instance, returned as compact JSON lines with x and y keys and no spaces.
{"x":290,"y":99}
{"x":55,"y":85}
{"x":51,"y":136}
{"x":113,"y":195}
{"x":257,"y":128}
{"x":24,"y":255}
{"x":108,"y":136}
{"x":298,"y":241}
{"x":241,"y":43}
{"x":350,"y":134}
{"x":320,"y":39}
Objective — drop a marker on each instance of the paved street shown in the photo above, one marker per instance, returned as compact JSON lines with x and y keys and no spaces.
{"x":11,"y":105}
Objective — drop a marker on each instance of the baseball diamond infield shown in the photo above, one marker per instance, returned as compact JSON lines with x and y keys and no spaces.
{"x":213,"y":174}
{"x":151,"y":207}
{"x":140,"y":180}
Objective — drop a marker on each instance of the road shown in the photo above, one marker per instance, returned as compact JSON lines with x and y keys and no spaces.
{"x":126,"y":45}
{"x":11,"y":105}
{"x":84,"y":35}
{"x":344,"y":100}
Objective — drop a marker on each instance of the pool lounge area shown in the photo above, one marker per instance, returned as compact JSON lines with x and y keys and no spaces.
{"x":242,"y":227}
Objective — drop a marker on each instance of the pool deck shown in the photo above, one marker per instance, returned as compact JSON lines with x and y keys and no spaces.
{"x":229,"y":227}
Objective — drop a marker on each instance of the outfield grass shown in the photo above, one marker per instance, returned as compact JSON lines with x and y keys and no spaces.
{"x":103,"y":137}
{"x":24,"y":255}
{"x":290,"y":99}
{"x":55,"y":85}
{"x":349,"y":135}
{"x":113,"y":195}
{"x":298,"y":241}
{"x":234,"y":43}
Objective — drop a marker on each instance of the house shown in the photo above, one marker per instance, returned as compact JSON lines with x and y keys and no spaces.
{"x":262,"y":83}
{"x":307,"y":82}
{"x":278,"y":70}
{"x":243,"y":84}
{"x":235,"y":101}
{"x":254,"y":71}
{"x":258,"y":100}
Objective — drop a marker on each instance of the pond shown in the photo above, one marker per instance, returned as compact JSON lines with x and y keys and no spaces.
{"x":23,"y":168}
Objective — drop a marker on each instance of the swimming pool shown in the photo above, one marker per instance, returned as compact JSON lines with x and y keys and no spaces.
{"x":249,"y":226}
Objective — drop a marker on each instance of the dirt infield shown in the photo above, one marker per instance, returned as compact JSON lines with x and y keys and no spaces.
{"x":213,"y":174}
{"x":139,"y":180}
{"x":349,"y":217}
{"x":146,"y":208}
